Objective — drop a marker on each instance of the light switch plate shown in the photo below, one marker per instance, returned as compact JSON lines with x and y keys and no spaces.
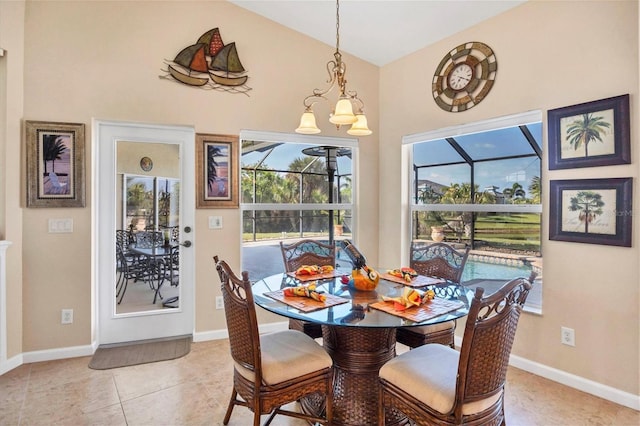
{"x":215,"y":222}
{"x":60,"y":226}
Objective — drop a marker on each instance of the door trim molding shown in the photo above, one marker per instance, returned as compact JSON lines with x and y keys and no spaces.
{"x":105,"y":135}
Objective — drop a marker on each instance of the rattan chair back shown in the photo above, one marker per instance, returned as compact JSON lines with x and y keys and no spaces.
{"x":242,"y":323}
{"x":307,"y":252}
{"x":487,"y":341}
{"x":482,"y":366}
{"x":439,"y":260}
{"x":257,"y":393}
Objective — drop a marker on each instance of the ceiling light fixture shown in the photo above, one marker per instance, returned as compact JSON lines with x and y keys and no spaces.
{"x":342,"y":114}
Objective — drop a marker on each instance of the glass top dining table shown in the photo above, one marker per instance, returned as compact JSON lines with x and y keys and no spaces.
{"x":359,"y":338}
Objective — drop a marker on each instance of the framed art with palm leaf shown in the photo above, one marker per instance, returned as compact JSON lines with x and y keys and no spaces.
{"x":55,"y":164}
{"x":216,"y":171}
{"x":590,"y":134}
{"x":593,"y":211}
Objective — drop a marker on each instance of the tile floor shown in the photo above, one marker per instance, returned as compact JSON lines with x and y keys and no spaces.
{"x":194,"y":390}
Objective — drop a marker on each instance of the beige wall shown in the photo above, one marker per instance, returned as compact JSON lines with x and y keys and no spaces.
{"x":103,"y":59}
{"x":106,"y":64}
{"x":12,"y":16}
{"x":550,"y":55}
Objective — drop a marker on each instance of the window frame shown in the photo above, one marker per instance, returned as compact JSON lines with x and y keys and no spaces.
{"x":277,"y":137}
{"x":408,"y":141}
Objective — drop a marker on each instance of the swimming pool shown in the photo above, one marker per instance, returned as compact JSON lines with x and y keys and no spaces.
{"x":497,"y":268}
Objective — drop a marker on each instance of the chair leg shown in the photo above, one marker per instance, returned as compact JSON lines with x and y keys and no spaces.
{"x":232,"y":402}
{"x":271,"y":417}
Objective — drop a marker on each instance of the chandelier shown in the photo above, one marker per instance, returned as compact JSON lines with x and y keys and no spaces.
{"x":342,"y":114}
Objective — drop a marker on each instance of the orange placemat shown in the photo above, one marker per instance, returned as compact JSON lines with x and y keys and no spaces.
{"x":305,"y":304}
{"x":426,"y":311}
{"x":304,"y":278}
{"x":419,"y":281}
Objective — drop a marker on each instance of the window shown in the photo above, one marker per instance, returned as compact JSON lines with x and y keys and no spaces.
{"x":479,"y":186}
{"x":292,"y":187}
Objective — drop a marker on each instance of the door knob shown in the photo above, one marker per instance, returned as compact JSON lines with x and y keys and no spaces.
{"x":186,"y":243}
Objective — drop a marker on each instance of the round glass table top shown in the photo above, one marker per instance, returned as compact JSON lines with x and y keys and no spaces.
{"x":356,"y":312}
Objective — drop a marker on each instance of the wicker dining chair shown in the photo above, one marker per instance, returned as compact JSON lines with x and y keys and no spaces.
{"x":307,"y":252}
{"x":274,"y":369}
{"x":435,"y":384}
{"x":437,"y":260}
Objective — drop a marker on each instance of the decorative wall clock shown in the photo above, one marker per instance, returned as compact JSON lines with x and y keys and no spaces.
{"x":146,"y":164}
{"x":464,"y":77}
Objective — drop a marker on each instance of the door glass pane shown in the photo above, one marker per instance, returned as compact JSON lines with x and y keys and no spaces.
{"x":147,"y":229}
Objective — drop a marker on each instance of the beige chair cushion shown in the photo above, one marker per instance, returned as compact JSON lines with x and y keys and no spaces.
{"x":428,"y":329}
{"x":287,"y":355}
{"x":428,"y":373}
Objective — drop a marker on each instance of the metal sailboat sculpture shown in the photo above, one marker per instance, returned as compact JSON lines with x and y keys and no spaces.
{"x":223,"y":68}
{"x":193,"y":59}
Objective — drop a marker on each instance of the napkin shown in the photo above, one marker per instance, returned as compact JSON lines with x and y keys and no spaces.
{"x":410,"y":297}
{"x":405,"y":273}
{"x":308,"y":290}
{"x":314,"y":269}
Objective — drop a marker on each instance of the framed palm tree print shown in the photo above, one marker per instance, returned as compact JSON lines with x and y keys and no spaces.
{"x":216,"y":171}
{"x":590,"y":134}
{"x":55,"y":164}
{"x":593,"y":211}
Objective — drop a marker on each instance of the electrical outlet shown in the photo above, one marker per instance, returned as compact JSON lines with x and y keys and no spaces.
{"x":67,"y":316}
{"x":567,"y":336}
{"x":219,"y":302}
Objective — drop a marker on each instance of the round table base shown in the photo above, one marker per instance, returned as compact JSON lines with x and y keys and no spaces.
{"x":358,"y":354}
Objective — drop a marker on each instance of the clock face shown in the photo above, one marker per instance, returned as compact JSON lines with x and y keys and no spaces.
{"x":464,"y":77}
{"x":460,"y":76}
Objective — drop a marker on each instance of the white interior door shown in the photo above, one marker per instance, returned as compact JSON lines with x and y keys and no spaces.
{"x":113,"y":327}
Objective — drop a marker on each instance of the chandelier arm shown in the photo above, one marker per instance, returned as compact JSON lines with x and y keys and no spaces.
{"x":360,"y":103}
{"x":342,"y":114}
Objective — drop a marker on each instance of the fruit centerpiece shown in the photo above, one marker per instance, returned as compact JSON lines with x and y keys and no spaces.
{"x":363,"y":277}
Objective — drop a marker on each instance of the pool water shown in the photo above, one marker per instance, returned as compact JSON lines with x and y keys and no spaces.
{"x":475,"y":269}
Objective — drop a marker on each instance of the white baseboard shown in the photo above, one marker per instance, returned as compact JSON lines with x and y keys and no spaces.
{"x":10,"y":364}
{"x":58,"y":353}
{"x":589,"y":386}
{"x":594,"y":388}
{"x":222,"y":334}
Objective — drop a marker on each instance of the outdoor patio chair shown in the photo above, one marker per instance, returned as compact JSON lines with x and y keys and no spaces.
{"x":274,"y":369}
{"x":307,"y":252}
{"x":438,"y":260}
{"x":437,"y":385}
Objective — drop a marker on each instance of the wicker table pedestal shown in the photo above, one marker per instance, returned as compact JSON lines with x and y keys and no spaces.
{"x":358,"y":354}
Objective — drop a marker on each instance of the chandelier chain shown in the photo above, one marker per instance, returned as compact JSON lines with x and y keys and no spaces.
{"x":337,"y":26}
{"x":342,"y":113}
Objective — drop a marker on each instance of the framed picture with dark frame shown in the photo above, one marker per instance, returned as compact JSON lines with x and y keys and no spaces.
{"x":55,"y":164}
{"x":590,"y":134}
{"x":216,"y":171}
{"x":593,"y":211}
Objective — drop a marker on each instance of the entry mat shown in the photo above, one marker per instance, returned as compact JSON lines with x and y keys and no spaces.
{"x":141,"y":352}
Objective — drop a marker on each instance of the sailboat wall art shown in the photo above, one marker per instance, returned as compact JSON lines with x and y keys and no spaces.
{"x":209,"y":64}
